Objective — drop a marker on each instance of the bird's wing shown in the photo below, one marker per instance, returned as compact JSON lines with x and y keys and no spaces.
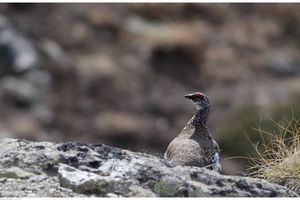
{"x":177,"y":145}
{"x":187,"y":131}
{"x":184,"y":151}
{"x":171,"y":150}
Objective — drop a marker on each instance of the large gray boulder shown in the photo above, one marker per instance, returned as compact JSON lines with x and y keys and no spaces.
{"x":30,"y":169}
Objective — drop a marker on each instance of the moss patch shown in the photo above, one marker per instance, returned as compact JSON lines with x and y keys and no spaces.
{"x":167,"y":187}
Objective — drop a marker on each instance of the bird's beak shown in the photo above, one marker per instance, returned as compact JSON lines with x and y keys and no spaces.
{"x":188,"y":96}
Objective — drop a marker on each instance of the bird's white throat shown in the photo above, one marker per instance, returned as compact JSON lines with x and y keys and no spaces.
{"x":198,"y":105}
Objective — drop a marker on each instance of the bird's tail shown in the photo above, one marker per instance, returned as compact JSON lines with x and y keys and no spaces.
{"x":156,"y":154}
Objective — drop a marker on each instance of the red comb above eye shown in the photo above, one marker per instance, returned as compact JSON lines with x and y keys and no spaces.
{"x":198,"y":94}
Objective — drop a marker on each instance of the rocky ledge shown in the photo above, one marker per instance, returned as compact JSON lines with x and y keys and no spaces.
{"x":30,"y":169}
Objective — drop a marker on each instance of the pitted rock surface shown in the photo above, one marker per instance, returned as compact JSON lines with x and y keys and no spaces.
{"x":31,"y":169}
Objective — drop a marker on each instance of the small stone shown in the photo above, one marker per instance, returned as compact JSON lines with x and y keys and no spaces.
{"x":15,"y":172}
{"x":81,"y":181}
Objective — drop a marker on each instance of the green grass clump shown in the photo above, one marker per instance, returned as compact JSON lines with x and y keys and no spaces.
{"x":278,"y":159}
{"x":239,"y":123}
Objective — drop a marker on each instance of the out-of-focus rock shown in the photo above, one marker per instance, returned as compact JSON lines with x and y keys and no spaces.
{"x":151,"y":34}
{"x":39,"y":78}
{"x":283,"y":64}
{"x":56,"y":53}
{"x":116,"y":122}
{"x":119,"y":127}
{"x":104,"y":18}
{"x":176,"y":61}
{"x":18,"y":91}
{"x":24,"y":126}
{"x":43,"y":114}
{"x":17,"y":54}
{"x":96,"y":65}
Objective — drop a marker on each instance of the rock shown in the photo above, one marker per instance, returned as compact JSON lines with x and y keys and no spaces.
{"x":282,"y":64}
{"x":74,"y":169}
{"x":153,"y":33}
{"x":4,"y":133}
{"x":55,"y":52}
{"x":119,"y":127}
{"x":16,"y":52}
{"x":117,"y":123}
{"x":24,"y":126}
{"x":81,"y":181}
{"x":174,"y":61}
{"x":21,"y":92}
{"x":36,"y":186}
{"x":15,"y":172}
{"x":43,"y":113}
{"x":96,"y":65}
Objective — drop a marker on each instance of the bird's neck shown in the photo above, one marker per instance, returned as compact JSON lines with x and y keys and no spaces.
{"x":199,"y":120}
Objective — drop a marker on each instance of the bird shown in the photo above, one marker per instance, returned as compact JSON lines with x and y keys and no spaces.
{"x":194,"y":146}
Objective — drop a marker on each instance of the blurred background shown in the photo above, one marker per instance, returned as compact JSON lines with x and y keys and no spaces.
{"x":116,"y":73}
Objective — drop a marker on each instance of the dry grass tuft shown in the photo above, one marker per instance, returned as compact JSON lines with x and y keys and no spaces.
{"x":278,"y":158}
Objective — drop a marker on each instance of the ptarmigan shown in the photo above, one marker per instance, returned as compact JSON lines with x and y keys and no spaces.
{"x":194,"y":145}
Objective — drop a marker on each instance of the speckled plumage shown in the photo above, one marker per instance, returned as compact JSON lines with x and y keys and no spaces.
{"x":194,"y":145}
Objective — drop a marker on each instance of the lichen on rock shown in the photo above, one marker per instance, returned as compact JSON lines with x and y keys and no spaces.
{"x":82,"y":170}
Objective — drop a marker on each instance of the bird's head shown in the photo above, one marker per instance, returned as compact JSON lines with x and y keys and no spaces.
{"x":199,"y":99}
